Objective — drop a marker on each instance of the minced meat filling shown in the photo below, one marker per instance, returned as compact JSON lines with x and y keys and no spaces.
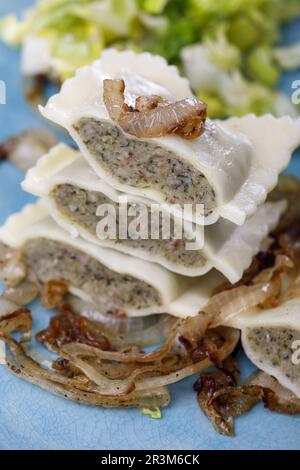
{"x":80,"y":206}
{"x":274,"y":346}
{"x":51,"y":260}
{"x":144,"y":164}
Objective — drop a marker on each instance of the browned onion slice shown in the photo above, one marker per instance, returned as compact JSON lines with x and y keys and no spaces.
{"x":19,"y":320}
{"x":52,"y":293}
{"x":154,"y":117}
{"x":170,"y":369}
{"x":79,"y":379}
{"x":76,"y":387}
{"x":128,"y":356}
{"x":264,"y":290}
{"x":68,"y":327}
{"x":281,"y":400}
{"x":221,"y":400}
{"x":146,"y":103}
{"x":150,"y":330}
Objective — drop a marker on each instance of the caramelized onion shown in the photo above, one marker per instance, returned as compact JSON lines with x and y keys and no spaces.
{"x":142,"y":377}
{"x":208,"y":385}
{"x":88,"y":376}
{"x":18,"y":320}
{"x":281,"y":400}
{"x":53,"y":293}
{"x":146,"y":103}
{"x":128,"y":356}
{"x":125,"y":331}
{"x":221,"y":402}
{"x":231,"y":338}
{"x":154,"y":117}
{"x":265,"y":290}
{"x":78,"y":387}
{"x":68,"y":327}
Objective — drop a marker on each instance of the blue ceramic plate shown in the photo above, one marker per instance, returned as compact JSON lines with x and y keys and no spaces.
{"x":33,"y":419}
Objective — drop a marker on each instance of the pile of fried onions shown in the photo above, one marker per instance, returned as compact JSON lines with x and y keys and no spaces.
{"x":101,"y":358}
{"x":153,"y":116}
{"x":105,"y":376}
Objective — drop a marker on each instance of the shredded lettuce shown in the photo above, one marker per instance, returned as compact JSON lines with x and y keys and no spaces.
{"x":13,"y":31}
{"x":221,"y":53}
{"x":153,"y":6}
{"x":288,"y":57}
{"x":226,"y":90}
{"x":261,"y":66}
{"x":155,"y":413}
{"x":234,"y":39}
{"x":77,"y":30}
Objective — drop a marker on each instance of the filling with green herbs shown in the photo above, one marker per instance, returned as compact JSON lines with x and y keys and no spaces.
{"x":273,"y":346}
{"x":80,"y":206}
{"x":52,"y":260}
{"x":145,"y":164}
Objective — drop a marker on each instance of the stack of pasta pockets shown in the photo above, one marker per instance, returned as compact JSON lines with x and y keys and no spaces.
{"x":227,"y":170}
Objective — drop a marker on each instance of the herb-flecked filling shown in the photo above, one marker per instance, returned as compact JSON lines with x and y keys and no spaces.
{"x":274,"y":346}
{"x":145,"y":164}
{"x":80,"y":206}
{"x":52,"y":260}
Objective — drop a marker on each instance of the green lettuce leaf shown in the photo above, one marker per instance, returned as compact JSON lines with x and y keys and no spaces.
{"x":236,"y":41}
{"x":155,"y":413}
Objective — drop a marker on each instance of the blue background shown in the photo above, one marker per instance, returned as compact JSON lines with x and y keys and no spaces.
{"x":33,"y":419}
